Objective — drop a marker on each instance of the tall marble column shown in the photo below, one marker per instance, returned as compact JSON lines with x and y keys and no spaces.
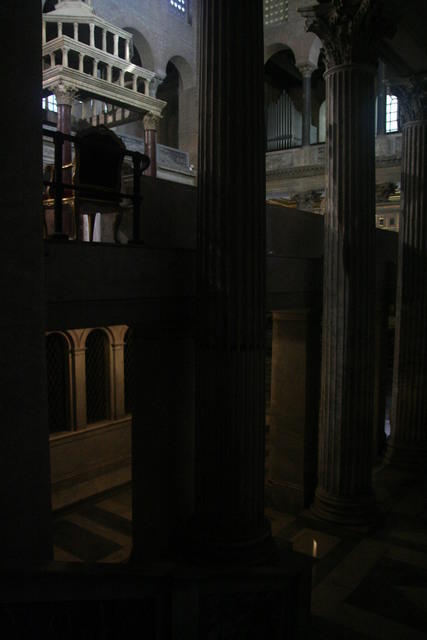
{"x":151,"y":124}
{"x":65,"y":97}
{"x":344,"y":493}
{"x":408,"y":443}
{"x":306,"y":72}
{"x":230,"y":524}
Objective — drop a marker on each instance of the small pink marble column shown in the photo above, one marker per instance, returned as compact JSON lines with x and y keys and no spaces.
{"x":151,"y":124}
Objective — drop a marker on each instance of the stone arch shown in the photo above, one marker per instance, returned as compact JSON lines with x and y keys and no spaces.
{"x":185,"y":71}
{"x":59,"y":347}
{"x":48,"y":5}
{"x":98,"y":374}
{"x":274,"y":48}
{"x":144,"y":48}
{"x":283,"y":99}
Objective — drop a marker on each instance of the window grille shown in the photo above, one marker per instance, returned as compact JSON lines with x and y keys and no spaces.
{"x":180,"y":6}
{"x":97,"y":376}
{"x":58,"y":383}
{"x":392,"y":114}
{"x":129,"y":363}
{"x":275,"y":11}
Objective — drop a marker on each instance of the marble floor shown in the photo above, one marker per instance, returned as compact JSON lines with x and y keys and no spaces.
{"x":366,"y":583}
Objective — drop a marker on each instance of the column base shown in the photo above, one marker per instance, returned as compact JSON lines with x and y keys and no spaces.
{"x":346,"y":511}
{"x":203,"y":551}
{"x":412,"y":458}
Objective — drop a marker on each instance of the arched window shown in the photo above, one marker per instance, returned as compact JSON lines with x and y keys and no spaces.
{"x":58,"y":383}
{"x":97,"y":376}
{"x":129,"y":364}
{"x":275,"y":11}
{"x":392,"y":114}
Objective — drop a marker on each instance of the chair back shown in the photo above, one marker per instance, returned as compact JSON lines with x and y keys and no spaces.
{"x":99,"y":160}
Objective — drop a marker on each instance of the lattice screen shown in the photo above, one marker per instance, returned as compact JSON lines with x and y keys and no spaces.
{"x":97,"y":376}
{"x":58,"y":383}
{"x":275,"y":11}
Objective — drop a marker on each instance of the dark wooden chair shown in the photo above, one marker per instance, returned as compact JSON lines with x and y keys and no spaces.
{"x":97,"y":177}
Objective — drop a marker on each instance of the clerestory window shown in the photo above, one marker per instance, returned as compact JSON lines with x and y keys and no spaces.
{"x":275,"y":11}
{"x":179,"y":5}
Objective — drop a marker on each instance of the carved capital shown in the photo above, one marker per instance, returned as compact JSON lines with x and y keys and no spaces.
{"x":306,"y":69}
{"x":64,"y":93}
{"x":151,"y":122}
{"x":412,"y":96}
{"x":350,"y":29}
{"x":154,"y":85}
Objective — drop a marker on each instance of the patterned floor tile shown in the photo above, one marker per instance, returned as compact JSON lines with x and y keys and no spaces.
{"x":81,"y":543}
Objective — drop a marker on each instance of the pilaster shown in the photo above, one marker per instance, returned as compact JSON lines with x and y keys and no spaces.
{"x":295,"y":374}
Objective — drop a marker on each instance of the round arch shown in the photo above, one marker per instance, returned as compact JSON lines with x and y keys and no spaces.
{"x":98,"y":374}
{"x":59,"y":382}
{"x":184,"y":69}
{"x":144,"y":49}
{"x":283,"y":99}
{"x":274,"y":48}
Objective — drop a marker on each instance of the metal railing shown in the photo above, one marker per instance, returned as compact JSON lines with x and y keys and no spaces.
{"x":58,"y":187}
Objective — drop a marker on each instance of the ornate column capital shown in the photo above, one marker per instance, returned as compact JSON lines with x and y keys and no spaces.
{"x":64,"y":93}
{"x":412,"y":96}
{"x":306,"y":69}
{"x":151,"y":122}
{"x":154,"y":85}
{"x":350,"y":29}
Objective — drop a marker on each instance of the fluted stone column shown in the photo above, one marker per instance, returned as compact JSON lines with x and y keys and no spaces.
{"x":408,"y":443}
{"x":230,"y":414}
{"x":344,"y":493}
{"x":151,"y":124}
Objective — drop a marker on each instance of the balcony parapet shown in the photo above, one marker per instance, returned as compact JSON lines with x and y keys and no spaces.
{"x":132,"y":88}
{"x":310,"y":160}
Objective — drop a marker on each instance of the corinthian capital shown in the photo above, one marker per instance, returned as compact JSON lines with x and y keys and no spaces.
{"x":64,"y":93}
{"x":350,"y":29}
{"x":412,"y":96}
{"x":151,"y":122}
